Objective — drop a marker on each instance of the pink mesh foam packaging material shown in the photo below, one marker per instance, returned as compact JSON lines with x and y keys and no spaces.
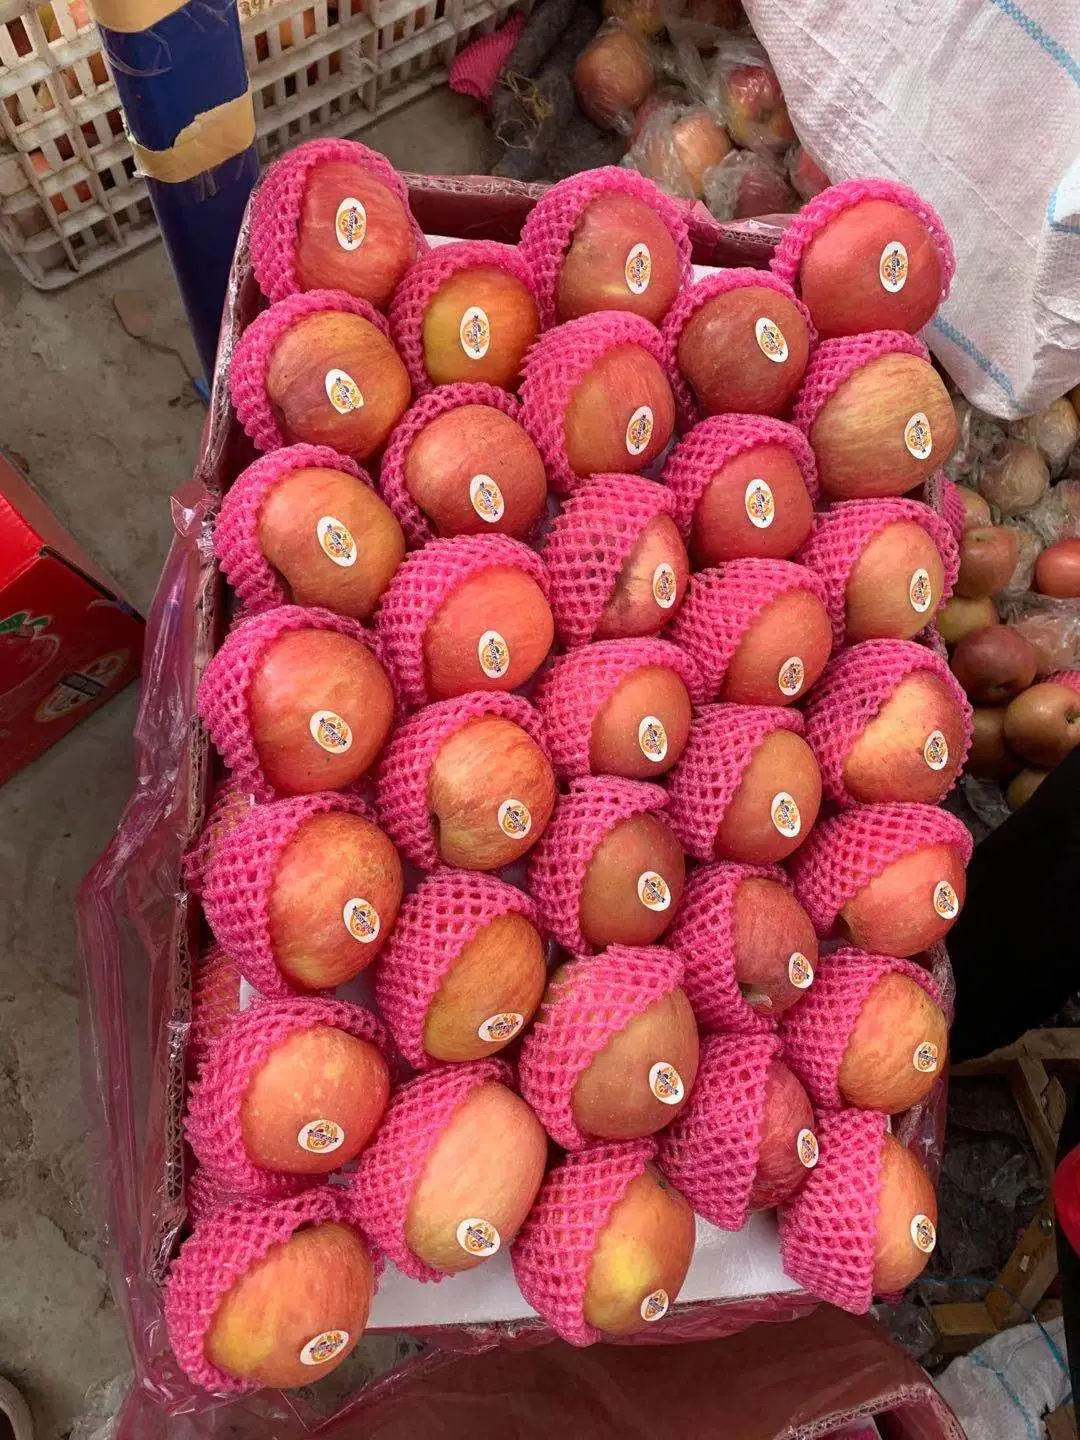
{"x":213,"y":1124}
{"x":724,"y":602}
{"x":554,"y":1248}
{"x":218,"y":1252}
{"x":401,"y":794}
{"x":204,"y":1194}
{"x":703,"y":934}
{"x":828,"y":1232}
{"x":416,"y":525}
{"x":579,"y":1018}
{"x":690,"y":301}
{"x":548,"y":231}
{"x":277,"y":203}
{"x":817,"y":213}
{"x":846,"y":852}
{"x":590,"y":541}
{"x":843,"y":531}
{"x":582,"y":817}
{"x":1071,"y":678}
{"x":722,"y":743}
{"x":816,"y":1031}
{"x":393,"y":1164}
{"x":475,"y":71}
{"x":581,"y":682}
{"x":424,"y":580}
{"x":222,"y":699}
{"x":423,"y":280}
{"x":257,"y":584}
{"x":437,"y":921}
{"x":554,"y":368}
{"x":215,"y":999}
{"x":710,"y":1151}
{"x":251,"y":359}
{"x":953,"y":509}
{"x":854,"y":687}
{"x":717,"y":441}
{"x":236,"y":896}
{"x":228,"y":807}
{"x":835,"y":361}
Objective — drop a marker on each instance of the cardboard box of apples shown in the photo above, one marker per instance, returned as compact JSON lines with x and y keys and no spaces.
{"x":575,"y":872}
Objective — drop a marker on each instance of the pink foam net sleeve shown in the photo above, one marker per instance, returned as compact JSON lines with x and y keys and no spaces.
{"x":710,"y":1150}
{"x":554,"y":1248}
{"x":227,"y":808}
{"x":582,"y":817}
{"x":953,"y":509}
{"x":437,"y":921}
{"x":277,"y":202}
{"x":548,"y":231}
{"x":393,"y":1164}
{"x":597,"y":997}
{"x":475,"y":70}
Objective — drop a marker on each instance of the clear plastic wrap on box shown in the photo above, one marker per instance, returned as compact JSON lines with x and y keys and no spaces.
{"x":744,"y":185}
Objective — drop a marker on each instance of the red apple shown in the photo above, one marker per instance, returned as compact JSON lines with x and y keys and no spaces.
{"x":959,"y":617}
{"x":491,"y":791}
{"x":354,"y":234}
{"x":987,"y":560}
{"x":1057,"y":570}
{"x":633,"y":884}
{"x":478,"y":326}
{"x":756,"y":113}
{"x":474,"y":471}
{"x":294,"y":1315}
{"x":910,"y":750}
{"x":643,"y":1076}
{"x":788,"y":1148}
{"x":807,"y":176}
{"x":886,"y":429}
{"x":331,"y":539}
{"x":621,"y":414}
{"x":782,"y":653}
{"x":491,"y":633}
{"x":1043,"y":724}
{"x":775,"y":805}
{"x":490,"y":992}
{"x":641,"y":1257}
{"x":756,"y":504}
{"x":895,"y":586}
{"x":910,"y":905}
{"x":1015,"y":481}
{"x":775,"y":947}
{"x":994,"y":664}
{"x":906,"y":1220}
{"x":1023,"y":787}
{"x":479,"y":1181}
{"x":976,"y":510}
{"x":320,"y":708}
{"x":621,"y":257}
{"x":612,"y":76}
{"x":651,"y":584}
{"x":334,"y":379}
{"x":896,"y":1049}
{"x":874,"y":266}
{"x":642,"y":727}
{"x":333,"y":900}
{"x":314,"y":1102}
{"x":745,"y":350}
{"x":646,"y":15}
{"x":990,"y":757}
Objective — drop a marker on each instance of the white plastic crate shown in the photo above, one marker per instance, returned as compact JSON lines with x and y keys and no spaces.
{"x":70,"y":197}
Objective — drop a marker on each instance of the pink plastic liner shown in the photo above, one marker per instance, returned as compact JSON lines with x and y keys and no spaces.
{"x":835,"y":361}
{"x":257,"y":584}
{"x":436,"y":922}
{"x":710,"y":1151}
{"x":853,"y":689}
{"x":251,"y":359}
{"x":953,"y":509}
{"x":691,"y":299}
{"x":277,"y":202}
{"x":579,"y":1018}
{"x":548,"y":231}
{"x":554,"y":1248}
{"x":475,"y":71}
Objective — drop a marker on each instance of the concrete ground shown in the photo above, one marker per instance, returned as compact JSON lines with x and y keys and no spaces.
{"x":108,"y":428}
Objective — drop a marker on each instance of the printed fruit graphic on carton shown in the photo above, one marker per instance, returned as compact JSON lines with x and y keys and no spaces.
{"x":354,"y":233}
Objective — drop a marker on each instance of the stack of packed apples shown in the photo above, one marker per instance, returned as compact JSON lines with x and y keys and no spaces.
{"x":584,"y":686}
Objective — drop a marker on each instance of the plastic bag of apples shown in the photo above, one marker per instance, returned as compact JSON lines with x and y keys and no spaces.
{"x":580,"y":691}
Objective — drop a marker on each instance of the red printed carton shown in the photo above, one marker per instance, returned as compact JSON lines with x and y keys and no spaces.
{"x":68,"y":640}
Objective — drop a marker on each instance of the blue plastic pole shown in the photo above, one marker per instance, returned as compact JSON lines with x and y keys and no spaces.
{"x":183,"y":85}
